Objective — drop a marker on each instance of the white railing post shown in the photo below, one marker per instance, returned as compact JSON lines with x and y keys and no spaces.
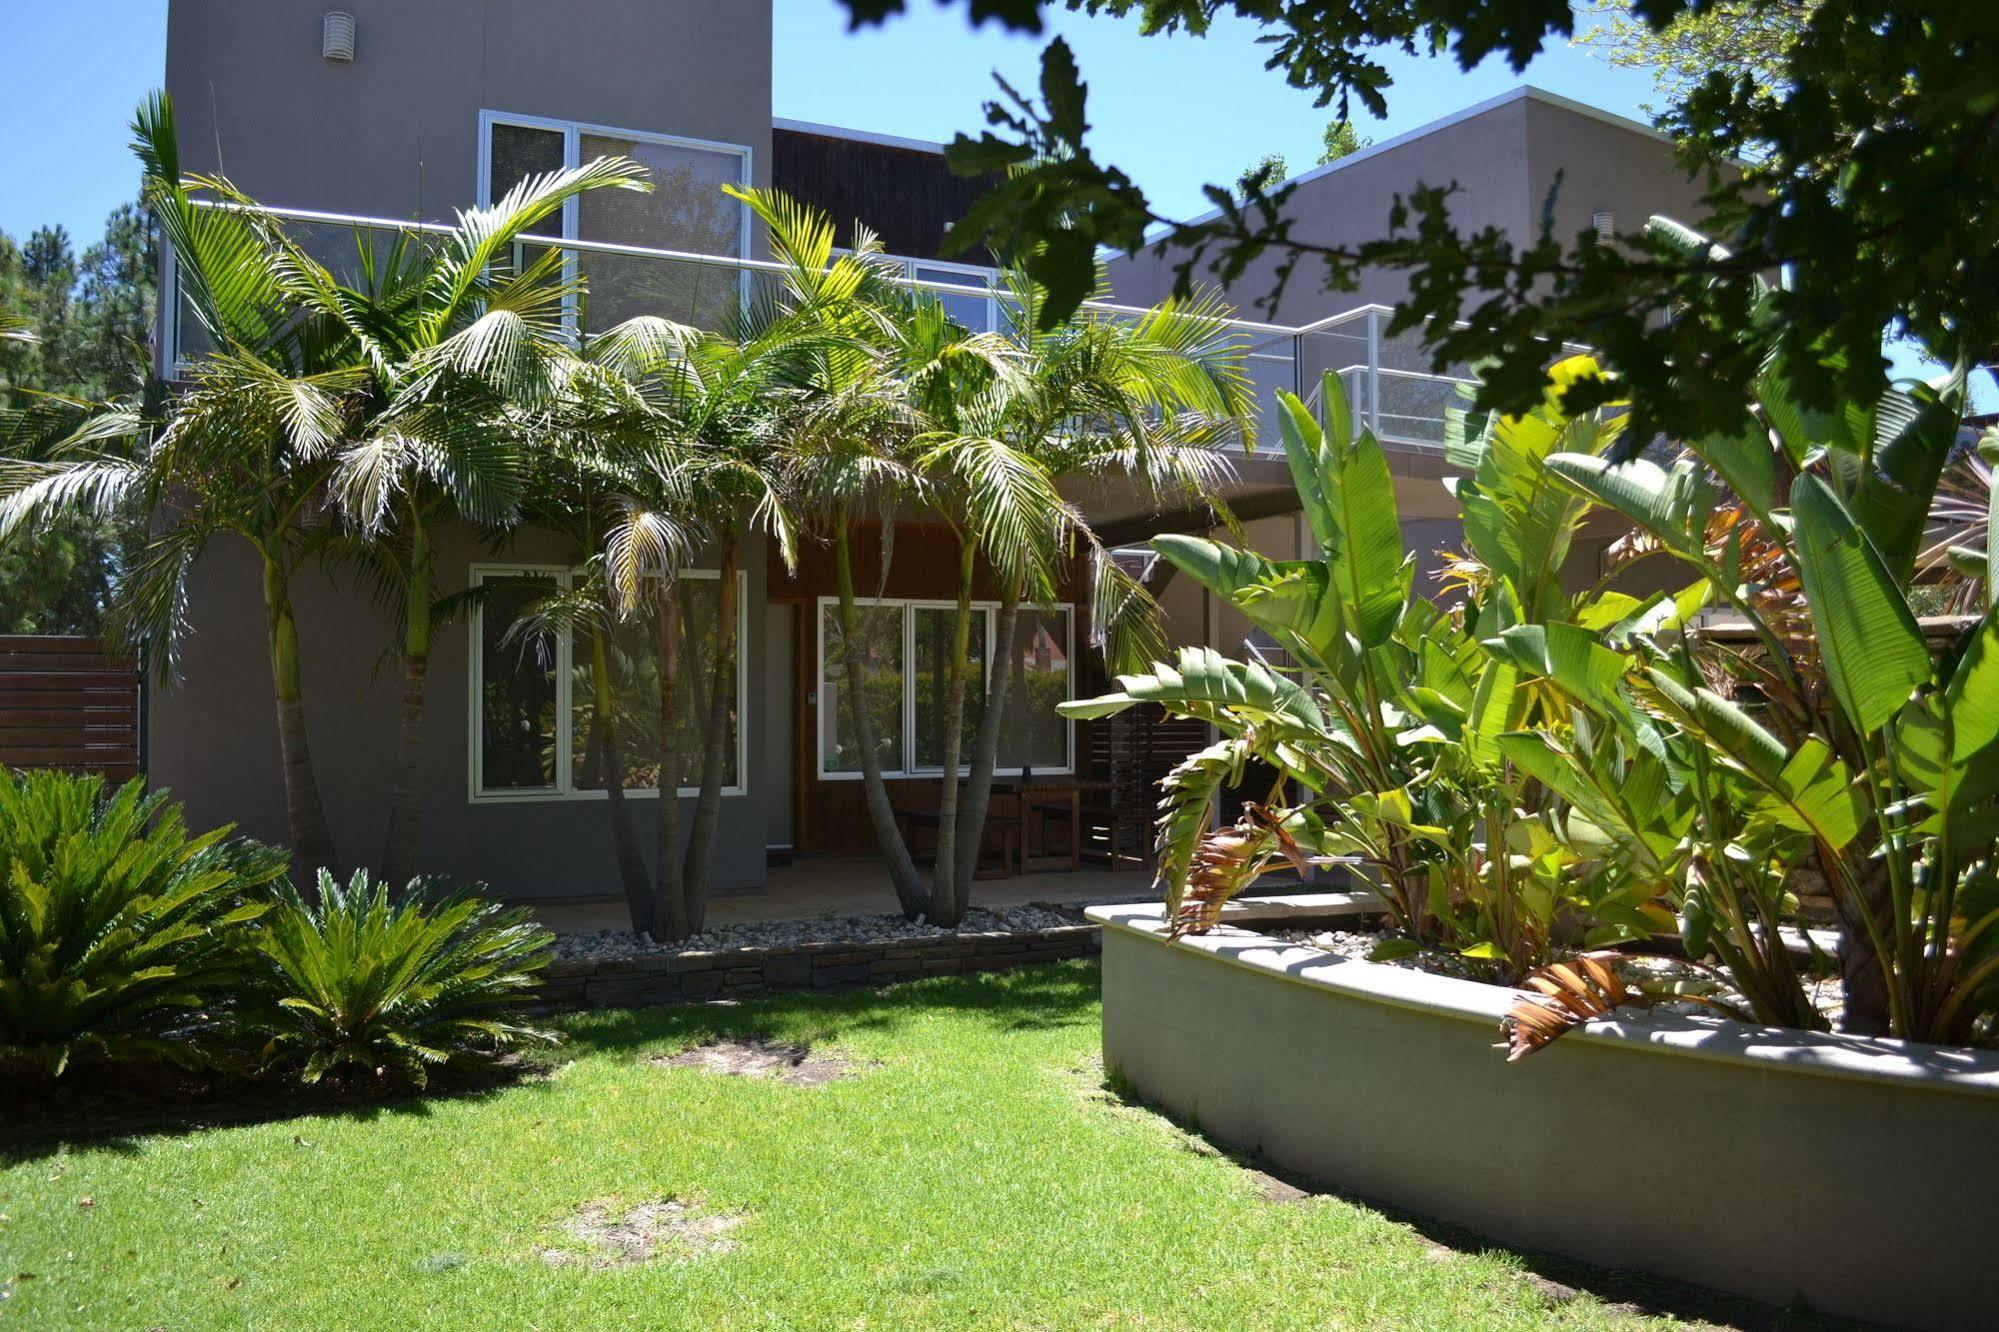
{"x":1374,"y":373}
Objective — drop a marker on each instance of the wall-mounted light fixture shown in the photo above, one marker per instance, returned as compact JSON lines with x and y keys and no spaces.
{"x":336,"y":35}
{"x":1605,"y":224}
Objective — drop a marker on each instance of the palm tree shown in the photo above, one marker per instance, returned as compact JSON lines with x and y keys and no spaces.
{"x":574,"y":491}
{"x":907,"y":411}
{"x":245,"y":451}
{"x":691,"y":423}
{"x":458,"y":343}
{"x":1147,"y":401}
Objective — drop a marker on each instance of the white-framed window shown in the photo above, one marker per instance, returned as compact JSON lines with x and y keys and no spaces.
{"x":980,"y":314}
{"x":905,"y":647}
{"x":533,"y":699}
{"x":685,"y":211}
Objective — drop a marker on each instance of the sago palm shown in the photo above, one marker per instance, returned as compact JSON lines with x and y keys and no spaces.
{"x":118,"y":931}
{"x":391,"y":984}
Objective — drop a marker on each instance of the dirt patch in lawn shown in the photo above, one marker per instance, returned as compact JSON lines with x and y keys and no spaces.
{"x":762,"y":1057}
{"x":603,"y":1233}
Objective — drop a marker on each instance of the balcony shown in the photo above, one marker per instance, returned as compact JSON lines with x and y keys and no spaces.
{"x":1387,"y":379}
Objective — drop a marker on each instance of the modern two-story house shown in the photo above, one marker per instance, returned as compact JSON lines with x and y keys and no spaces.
{"x":399,"y":112}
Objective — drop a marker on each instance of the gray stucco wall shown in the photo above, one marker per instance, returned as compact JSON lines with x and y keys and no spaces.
{"x":395,"y":133}
{"x":1504,"y":160}
{"x":214,"y":736}
{"x":1485,"y":153}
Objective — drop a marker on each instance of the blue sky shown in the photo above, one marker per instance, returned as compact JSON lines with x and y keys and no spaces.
{"x":1174,"y":112}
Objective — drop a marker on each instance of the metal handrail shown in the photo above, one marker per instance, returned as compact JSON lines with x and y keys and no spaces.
{"x":1267,"y":335}
{"x":736,"y":262}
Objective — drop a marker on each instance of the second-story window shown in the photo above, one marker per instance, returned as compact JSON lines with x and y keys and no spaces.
{"x":686,"y":212}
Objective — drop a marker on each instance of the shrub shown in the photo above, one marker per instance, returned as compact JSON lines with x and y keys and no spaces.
{"x":391,"y":983}
{"x":116,"y":928}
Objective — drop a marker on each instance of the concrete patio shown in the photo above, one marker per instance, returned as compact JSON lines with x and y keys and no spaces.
{"x":859,"y":886}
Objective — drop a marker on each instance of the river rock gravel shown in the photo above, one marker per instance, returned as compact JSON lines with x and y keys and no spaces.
{"x":613,"y":945}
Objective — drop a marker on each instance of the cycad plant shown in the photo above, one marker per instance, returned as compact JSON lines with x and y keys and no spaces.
{"x":118,"y":931}
{"x":373,"y":985}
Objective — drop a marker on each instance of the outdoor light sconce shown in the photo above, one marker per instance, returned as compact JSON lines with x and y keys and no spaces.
{"x":1605,"y":224}
{"x":336,"y":36}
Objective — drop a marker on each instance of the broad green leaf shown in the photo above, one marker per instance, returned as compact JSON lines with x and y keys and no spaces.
{"x":1203,"y":683}
{"x":1368,"y":565}
{"x":1813,"y":794}
{"x":1747,"y":465}
{"x":1972,"y":697}
{"x":1292,"y":596}
{"x":1305,"y":450}
{"x":1873,"y":653}
{"x":1569,"y":655}
{"x":1494,"y":703}
{"x":1672,"y":504}
{"x":1914,"y":435}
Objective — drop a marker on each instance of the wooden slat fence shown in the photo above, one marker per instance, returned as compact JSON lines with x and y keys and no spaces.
{"x":64,"y":703}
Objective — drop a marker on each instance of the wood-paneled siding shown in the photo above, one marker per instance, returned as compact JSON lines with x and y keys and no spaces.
{"x":907,"y":195}
{"x":64,"y":703}
{"x":830,"y":817}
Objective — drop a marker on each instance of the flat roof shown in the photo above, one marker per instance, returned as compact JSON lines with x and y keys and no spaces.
{"x":855,"y":135}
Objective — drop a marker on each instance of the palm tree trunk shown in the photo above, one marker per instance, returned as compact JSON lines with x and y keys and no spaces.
{"x":305,"y":815}
{"x":948,"y":891}
{"x":714,"y":740}
{"x":670,"y":920}
{"x":909,"y":888}
{"x":631,"y":865}
{"x":985,"y":748}
{"x":399,"y":847}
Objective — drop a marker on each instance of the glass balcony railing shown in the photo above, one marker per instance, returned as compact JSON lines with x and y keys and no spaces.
{"x":1387,"y":380}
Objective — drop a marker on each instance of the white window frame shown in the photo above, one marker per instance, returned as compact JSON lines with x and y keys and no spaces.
{"x":909,"y":605}
{"x":564,"y":576}
{"x":572,"y":132}
{"x":984,"y":277}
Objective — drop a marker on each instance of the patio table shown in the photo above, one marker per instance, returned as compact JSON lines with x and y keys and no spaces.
{"x":1051,"y":791}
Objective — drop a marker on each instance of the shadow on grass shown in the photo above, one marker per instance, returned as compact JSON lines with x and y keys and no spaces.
{"x":1556,"y":1278}
{"x":1045,"y":997}
{"x":111,"y":1109}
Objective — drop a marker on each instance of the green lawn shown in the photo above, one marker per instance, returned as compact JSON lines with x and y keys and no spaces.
{"x":974,"y":1173}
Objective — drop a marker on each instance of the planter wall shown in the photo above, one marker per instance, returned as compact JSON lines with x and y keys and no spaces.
{"x":1860,"y":1177}
{"x":670,"y":978}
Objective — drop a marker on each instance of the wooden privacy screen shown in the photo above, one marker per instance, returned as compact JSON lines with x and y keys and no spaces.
{"x":65,"y":704}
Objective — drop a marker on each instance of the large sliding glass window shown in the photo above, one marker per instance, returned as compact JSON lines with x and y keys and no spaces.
{"x":907,"y":647}
{"x":1035,"y":735}
{"x":685,"y":211}
{"x":878,"y":636}
{"x":933,"y":631}
{"x":536,"y":697}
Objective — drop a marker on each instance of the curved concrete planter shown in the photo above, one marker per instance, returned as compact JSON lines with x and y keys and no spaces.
{"x":1861,"y":1177}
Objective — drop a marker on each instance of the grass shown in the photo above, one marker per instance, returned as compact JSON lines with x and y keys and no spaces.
{"x":974,"y":1172}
